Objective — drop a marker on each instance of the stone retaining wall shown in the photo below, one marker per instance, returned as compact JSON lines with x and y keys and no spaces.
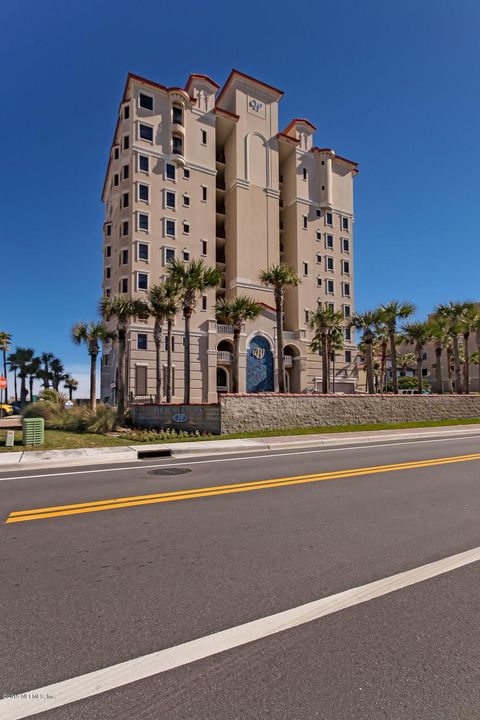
{"x":274,"y":412}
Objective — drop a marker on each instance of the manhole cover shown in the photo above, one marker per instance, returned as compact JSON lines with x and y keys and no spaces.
{"x":170,"y":471}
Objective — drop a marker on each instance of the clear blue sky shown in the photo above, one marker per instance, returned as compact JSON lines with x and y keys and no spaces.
{"x":392,"y":85}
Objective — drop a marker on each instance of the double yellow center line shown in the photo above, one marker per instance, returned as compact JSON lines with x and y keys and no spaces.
{"x":194,"y":493}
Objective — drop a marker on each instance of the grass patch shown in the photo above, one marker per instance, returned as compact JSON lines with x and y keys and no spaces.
{"x":62,"y":440}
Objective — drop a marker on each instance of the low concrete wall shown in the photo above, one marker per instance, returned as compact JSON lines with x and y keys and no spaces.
{"x":204,"y":418}
{"x":273,"y":412}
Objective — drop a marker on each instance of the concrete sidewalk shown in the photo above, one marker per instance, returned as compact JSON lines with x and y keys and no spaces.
{"x":134,"y":453}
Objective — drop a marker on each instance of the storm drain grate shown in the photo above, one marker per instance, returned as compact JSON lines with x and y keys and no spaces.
{"x":170,"y":471}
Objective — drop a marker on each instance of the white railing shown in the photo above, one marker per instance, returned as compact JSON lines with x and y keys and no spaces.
{"x":225,"y":329}
{"x":289,"y":335}
{"x":288,"y":360}
{"x":224,"y":356}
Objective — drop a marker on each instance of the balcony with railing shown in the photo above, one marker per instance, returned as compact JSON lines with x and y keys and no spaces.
{"x":224,"y":329}
{"x":288,"y":360}
{"x":224,"y":357}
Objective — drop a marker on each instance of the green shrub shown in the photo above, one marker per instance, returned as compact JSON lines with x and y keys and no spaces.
{"x":103,"y":421}
{"x":79,"y":418}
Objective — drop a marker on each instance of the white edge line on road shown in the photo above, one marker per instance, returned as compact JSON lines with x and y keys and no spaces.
{"x":100,"y":681}
{"x":266,"y":455}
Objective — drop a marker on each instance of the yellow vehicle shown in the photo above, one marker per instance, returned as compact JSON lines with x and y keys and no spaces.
{"x":6,"y":409}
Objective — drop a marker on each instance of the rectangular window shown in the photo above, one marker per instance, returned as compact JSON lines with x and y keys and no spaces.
{"x":144,"y":193}
{"x":146,"y":132}
{"x":348,"y":334}
{"x":108,"y":251}
{"x":125,"y":200}
{"x":177,"y":145}
{"x":186,"y":228}
{"x":204,"y":193}
{"x":186,"y":200}
{"x":306,"y":314}
{"x":319,"y":213}
{"x":143,"y":250}
{"x":186,"y":173}
{"x":105,"y":360}
{"x":123,"y":257}
{"x":108,"y":229}
{"x":346,"y":289}
{"x":305,"y":268}
{"x":331,"y":306}
{"x":107,"y":273}
{"x":126,"y":112}
{"x":318,"y":235}
{"x":123,"y":285}
{"x":142,"y":281}
{"x":168,"y":255}
{"x":319,"y":281}
{"x":141,"y":341}
{"x":348,"y":356}
{"x":145,"y":101}
{"x":329,"y":218}
{"x":345,"y":244}
{"x":115,"y":180}
{"x":345,"y":223}
{"x":329,"y":242}
{"x":177,"y":115}
{"x":204,"y":247}
{"x":345,"y":267}
{"x":116,"y":153}
{"x":125,"y":227}
{"x":140,"y":380}
{"x":170,"y":228}
{"x":346,"y":311}
{"x":204,"y":137}
{"x":304,"y":172}
{"x":305,"y":222}
{"x":204,"y":302}
{"x":170,"y":171}
{"x":330,"y":287}
{"x":142,"y":221}
{"x":143,"y":163}
{"x":330,"y":264}
{"x":107,"y":292}
{"x":185,"y":255}
{"x":126,"y":142}
{"x":170,"y":199}
{"x":318,"y":258}
{"x":126,"y":171}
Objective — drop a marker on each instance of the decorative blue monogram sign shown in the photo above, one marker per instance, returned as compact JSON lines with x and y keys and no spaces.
{"x":259,"y":365}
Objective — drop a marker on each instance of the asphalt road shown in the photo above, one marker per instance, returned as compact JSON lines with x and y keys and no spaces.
{"x":81,"y":592}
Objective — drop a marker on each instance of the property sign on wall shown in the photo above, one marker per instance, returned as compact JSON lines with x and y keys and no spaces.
{"x":204,"y":418}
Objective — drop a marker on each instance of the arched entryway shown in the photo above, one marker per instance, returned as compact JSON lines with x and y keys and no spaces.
{"x":291,"y":356}
{"x":260,"y":375}
{"x":222,"y":380}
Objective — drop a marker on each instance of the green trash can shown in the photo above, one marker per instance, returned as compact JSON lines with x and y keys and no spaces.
{"x":33,"y":431}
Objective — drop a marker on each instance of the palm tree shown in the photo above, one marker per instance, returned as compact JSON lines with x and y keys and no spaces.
{"x":91,"y":334}
{"x":13,"y":367}
{"x":58,"y":371}
{"x":418,"y":334}
{"x":162,"y":305}
{"x":441,"y":339}
{"x":122,"y":309}
{"x":71,"y":385}
{"x":380,"y":348}
{"x":391,"y":313}
{"x":171,"y":294}
{"x":323,"y":322}
{"x":191,"y":279}
{"x":453,"y":313}
{"x":24,"y":357}
{"x":46,"y":375}
{"x":236,"y":312}
{"x":279,"y":277}
{"x":469,"y":316}
{"x":366,"y":322}
{"x":5,"y":340}
{"x":32,"y":369}
{"x":476,"y":328}
{"x":405,"y":360}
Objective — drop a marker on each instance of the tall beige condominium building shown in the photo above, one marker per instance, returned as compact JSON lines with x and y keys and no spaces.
{"x":204,"y":172}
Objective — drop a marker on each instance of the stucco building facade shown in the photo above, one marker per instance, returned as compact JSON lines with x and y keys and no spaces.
{"x":204,"y":172}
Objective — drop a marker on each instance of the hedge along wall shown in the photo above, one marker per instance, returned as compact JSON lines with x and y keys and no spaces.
{"x":241,"y":413}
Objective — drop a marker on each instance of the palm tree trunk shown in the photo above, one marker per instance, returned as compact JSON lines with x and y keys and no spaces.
{"x":438,"y":369}
{"x":369,"y":363}
{"x":5,"y":375}
{"x":157,"y":337}
{"x":280,"y":361}
{"x":466,"y":360}
{"x":15,"y":387}
{"x":70,"y":393}
{"x":383,"y":366}
{"x":449,"y":368}
{"x":121,"y":377}
{"x":30,"y":380}
{"x":456,"y":359}
{"x":393,"y":360}
{"x":23,"y":389}
{"x":169,"y":360}
{"x":419,"y":368}
{"x":93,"y":382}
{"x":324,"y":363}
{"x":236,"y":357}
{"x":187,"y":313}
{"x":46,"y":382}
